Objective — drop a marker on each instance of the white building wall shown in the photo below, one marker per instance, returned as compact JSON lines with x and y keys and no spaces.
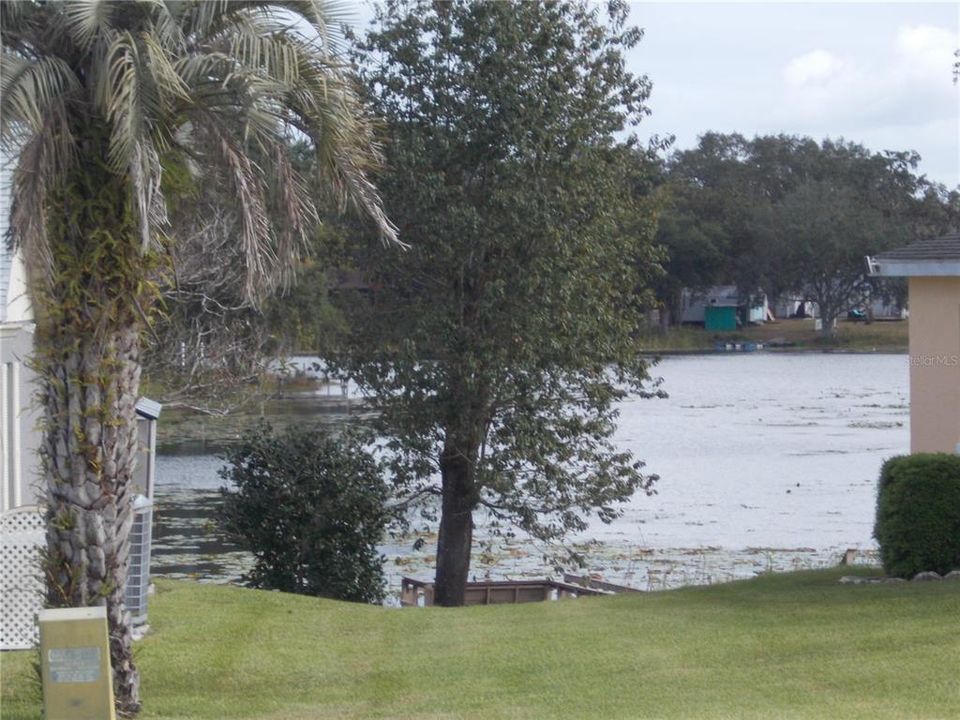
{"x":19,"y":436}
{"x":19,"y":419}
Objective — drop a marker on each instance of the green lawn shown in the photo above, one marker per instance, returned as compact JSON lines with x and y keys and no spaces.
{"x":885,"y":336}
{"x":786,"y":646}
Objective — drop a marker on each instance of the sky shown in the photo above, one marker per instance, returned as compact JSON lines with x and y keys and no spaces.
{"x":875,"y":73}
{"x":879,"y":74}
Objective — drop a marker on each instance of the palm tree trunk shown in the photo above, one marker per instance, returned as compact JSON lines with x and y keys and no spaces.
{"x":87,"y":354}
{"x":89,"y":450}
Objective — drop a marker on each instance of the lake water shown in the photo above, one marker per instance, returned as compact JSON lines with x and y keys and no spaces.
{"x":766,"y":462}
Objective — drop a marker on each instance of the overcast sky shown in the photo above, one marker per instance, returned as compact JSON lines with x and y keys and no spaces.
{"x":874,"y":73}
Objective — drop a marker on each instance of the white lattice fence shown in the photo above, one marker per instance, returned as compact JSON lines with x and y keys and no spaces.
{"x":21,"y":581}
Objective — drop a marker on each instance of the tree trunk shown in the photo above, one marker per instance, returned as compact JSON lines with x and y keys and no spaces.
{"x":664,"y":317}
{"x":828,"y":317}
{"x":89,"y":448}
{"x":671,"y":309}
{"x":456,"y":528}
{"x":88,"y":304}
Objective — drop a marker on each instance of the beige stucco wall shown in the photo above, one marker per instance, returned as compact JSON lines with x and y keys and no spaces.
{"x":934,"y":364}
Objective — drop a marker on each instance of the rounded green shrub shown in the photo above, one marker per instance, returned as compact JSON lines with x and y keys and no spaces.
{"x":918,"y":514}
{"x":311,"y":508}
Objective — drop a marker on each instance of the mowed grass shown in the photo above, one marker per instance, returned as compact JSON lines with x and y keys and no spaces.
{"x":881,"y":336}
{"x":798,"y":645}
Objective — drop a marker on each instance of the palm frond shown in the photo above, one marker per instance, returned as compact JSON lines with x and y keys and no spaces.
{"x":201,"y":19}
{"x":30,"y":88}
{"x":203,"y":68}
{"x":14,"y":16}
{"x":145,"y":172}
{"x":118,"y":97}
{"x":169,"y":85}
{"x":138,"y":87}
{"x":241,"y":76}
{"x":325,"y":104}
{"x":255,"y":43}
{"x":44,"y":160}
{"x":344,"y":146}
{"x":256,"y":232}
{"x":295,"y":209}
{"x":326,"y":17}
{"x":85,"y":19}
{"x":165,"y":26}
{"x":352,"y":175}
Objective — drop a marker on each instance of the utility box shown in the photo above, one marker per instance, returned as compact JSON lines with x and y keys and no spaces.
{"x":75,"y":664}
{"x":720,"y":318}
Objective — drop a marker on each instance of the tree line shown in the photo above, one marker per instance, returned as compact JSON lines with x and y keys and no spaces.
{"x":783,"y":214}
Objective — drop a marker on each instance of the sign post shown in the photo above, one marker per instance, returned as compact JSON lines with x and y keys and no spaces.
{"x":75,"y":664}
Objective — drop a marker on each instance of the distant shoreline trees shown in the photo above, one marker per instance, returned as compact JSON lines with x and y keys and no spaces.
{"x":788,"y":214}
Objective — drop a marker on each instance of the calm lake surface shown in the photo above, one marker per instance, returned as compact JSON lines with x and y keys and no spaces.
{"x":766,"y":462}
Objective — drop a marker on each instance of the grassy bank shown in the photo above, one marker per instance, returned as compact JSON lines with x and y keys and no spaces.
{"x":187,"y":430}
{"x":887,"y":336}
{"x":787,"y":646}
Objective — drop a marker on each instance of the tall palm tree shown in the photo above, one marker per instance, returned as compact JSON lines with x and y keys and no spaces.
{"x":114,"y":110}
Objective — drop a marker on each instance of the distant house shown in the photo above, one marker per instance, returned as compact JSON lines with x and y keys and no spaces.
{"x":788,"y":304}
{"x":351,"y":281}
{"x":933,"y":269}
{"x":18,"y":418}
{"x":887,"y":309}
{"x":880,"y":308}
{"x":722,"y":307}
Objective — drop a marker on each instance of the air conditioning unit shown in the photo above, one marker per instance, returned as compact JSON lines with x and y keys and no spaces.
{"x":138,"y":576}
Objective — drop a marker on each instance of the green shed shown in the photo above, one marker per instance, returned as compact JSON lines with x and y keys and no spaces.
{"x":720,"y":318}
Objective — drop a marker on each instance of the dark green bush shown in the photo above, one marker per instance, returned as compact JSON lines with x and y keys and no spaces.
{"x":918,"y":514}
{"x":311,"y":509}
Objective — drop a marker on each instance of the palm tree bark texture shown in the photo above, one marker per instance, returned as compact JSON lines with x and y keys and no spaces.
{"x":87,"y":352}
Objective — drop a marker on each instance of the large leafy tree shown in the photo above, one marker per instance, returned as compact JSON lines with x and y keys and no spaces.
{"x":824,"y":230}
{"x":496,"y":346}
{"x":842,"y":202}
{"x":115,"y":111}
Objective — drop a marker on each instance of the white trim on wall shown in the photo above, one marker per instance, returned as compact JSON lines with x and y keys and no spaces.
{"x":914,"y":268}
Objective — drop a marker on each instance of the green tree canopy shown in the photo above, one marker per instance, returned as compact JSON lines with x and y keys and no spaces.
{"x":744,"y":212}
{"x":496,"y":346}
{"x":823,"y":231}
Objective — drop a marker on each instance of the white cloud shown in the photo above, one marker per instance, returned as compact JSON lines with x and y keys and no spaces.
{"x":907,"y":83}
{"x":817,"y":67}
{"x":820,"y":82}
{"x":925,"y":50}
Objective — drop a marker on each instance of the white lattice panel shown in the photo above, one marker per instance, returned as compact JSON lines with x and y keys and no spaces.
{"x":21,"y":582}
